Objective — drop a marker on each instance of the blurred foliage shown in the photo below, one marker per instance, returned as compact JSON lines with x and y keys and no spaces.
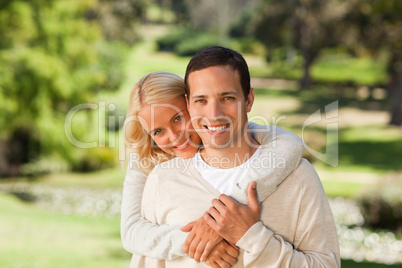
{"x":93,"y":159}
{"x":217,"y":17}
{"x":53,"y":58}
{"x":192,"y":46}
{"x":306,"y":26}
{"x":247,"y":45}
{"x":381,"y":207}
{"x":360,"y":26}
{"x":186,"y":42}
{"x":119,"y":18}
{"x":170,"y":41}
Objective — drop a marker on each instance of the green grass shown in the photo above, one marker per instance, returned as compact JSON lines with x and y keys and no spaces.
{"x":354,"y":264}
{"x":98,"y":180}
{"x":32,"y":237}
{"x":343,"y":189}
{"x":377,"y":147}
{"x":332,"y":66}
{"x":338,"y":67}
{"x":364,"y":146}
{"x":104,"y":179}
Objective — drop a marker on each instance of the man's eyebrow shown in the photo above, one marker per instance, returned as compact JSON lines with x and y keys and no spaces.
{"x":173,"y":117}
{"x":229,"y":93}
{"x":220,"y":94}
{"x":199,"y":97}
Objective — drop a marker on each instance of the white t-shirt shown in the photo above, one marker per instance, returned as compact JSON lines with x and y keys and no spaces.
{"x":223,"y":179}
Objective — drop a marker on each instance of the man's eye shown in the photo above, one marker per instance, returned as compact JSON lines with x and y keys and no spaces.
{"x":200,"y":101}
{"x":228,"y":98}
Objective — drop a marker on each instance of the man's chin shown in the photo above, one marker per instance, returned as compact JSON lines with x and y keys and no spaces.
{"x":218,"y":145}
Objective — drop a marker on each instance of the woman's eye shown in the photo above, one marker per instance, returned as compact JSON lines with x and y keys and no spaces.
{"x":156,"y":132}
{"x":178,"y":118}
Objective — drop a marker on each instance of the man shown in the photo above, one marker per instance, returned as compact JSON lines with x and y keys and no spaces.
{"x":295,"y":228}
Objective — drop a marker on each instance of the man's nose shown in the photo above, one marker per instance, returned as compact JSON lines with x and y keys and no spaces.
{"x":215,"y":110}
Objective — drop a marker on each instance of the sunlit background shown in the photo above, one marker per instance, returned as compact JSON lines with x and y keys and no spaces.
{"x":327,"y":70}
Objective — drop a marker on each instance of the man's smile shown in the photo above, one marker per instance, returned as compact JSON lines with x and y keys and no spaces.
{"x":217,"y":129}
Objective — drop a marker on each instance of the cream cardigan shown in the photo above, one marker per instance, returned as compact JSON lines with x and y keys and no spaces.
{"x":296,"y":228}
{"x":166,"y":241}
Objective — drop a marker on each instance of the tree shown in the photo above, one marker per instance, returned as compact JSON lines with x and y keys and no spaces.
{"x":211,"y":15}
{"x":306,"y":25}
{"x":380,"y":27}
{"x":119,"y":18}
{"x":52,"y":58}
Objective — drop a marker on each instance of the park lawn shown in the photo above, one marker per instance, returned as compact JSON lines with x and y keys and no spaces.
{"x":33,"y":237}
{"x":343,"y":189}
{"x":331,"y":66}
{"x":98,"y":180}
{"x":354,"y":264}
{"x":336,"y":67}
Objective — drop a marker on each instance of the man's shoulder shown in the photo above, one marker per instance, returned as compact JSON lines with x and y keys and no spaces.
{"x":305,"y":166}
{"x":305,"y":175}
{"x":172,"y":166}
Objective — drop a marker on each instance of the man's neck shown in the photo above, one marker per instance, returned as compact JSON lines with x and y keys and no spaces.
{"x":231,"y":156}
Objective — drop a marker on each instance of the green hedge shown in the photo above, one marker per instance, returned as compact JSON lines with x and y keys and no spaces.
{"x":186,"y":42}
{"x":191,"y":46}
{"x":381,"y":206}
{"x":170,"y":41}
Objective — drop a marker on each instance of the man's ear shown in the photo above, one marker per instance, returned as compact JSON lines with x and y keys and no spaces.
{"x":250,"y":100}
{"x":186,"y":97}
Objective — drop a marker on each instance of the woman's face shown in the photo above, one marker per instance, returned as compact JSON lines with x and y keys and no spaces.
{"x":170,"y":126}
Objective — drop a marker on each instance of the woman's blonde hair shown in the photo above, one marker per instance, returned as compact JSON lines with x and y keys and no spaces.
{"x":153,"y":88}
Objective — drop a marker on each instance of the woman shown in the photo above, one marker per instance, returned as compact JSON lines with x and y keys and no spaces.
{"x":158,"y":128}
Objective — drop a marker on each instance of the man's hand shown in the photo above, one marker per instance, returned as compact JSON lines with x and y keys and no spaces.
{"x":223,"y":255}
{"x":201,"y":240}
{"x":230,"y":219}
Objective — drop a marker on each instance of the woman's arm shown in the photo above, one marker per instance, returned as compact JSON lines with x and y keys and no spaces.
{"x":280,"y":155}
{"x":138,"y":235}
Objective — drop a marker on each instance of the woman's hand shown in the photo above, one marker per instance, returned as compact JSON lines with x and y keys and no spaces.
{"x":232,"y":220}
{"x":224,"y":255}
{"x":201,"y":240}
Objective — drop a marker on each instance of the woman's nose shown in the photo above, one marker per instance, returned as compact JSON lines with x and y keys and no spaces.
{"x":174,"y":134}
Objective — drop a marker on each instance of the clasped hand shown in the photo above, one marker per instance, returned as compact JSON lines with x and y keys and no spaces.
{"x":226,"y":219}
{"x":232,"y":220}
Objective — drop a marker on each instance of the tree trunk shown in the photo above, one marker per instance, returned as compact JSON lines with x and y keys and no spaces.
{"x":396,"y":109}
{"x":308,"y":57}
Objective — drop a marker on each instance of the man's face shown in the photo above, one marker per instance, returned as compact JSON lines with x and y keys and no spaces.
{"x":217,"y":106}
